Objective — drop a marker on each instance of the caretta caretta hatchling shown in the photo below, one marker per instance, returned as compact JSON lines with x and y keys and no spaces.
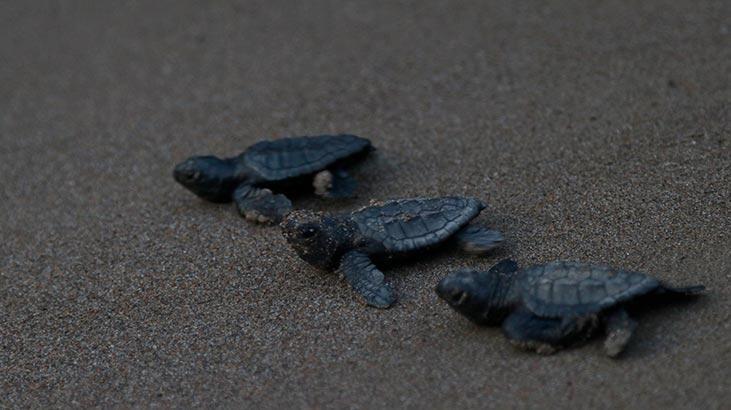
{"x":347,"y":242}
{"x":548,"y":307}
{"x":286,"y":163}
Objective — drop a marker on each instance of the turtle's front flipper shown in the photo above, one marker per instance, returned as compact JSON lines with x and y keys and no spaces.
{"x":543,"y":335}
{"x":261,"y":205}
{"x":619,"y":328}
{"x":335,"y":183}
{"x":367,"y":280}
{"x":478,"y":239}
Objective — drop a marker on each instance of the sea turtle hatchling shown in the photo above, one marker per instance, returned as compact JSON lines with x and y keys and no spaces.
{"x":348,"y":242}
{"x":548,"y":307}
{"x":249,"y":178}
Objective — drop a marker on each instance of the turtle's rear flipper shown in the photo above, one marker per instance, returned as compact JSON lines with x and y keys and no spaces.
{"x":478,"y":239}
{"x":261,"y":205}
{"x":619,"y":328}
{"x":367,"y":280}
{"x":668,"y":292}
{"x":543,"y":335}
{"x":335,"y":183}
{"x":685,"y":291}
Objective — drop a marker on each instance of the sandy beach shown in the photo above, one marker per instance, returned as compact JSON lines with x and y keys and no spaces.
{"x":594,"y":131}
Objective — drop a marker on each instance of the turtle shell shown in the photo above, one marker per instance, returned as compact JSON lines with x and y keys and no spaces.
{"x":561,"y":289}
{"x":291,"y":157}
{"x":408,"y":224}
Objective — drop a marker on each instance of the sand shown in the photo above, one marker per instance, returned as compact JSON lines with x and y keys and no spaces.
{"x":597,"y":131}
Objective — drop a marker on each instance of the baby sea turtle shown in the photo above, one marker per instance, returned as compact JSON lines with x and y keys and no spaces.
{"x":348,"y":242}
{"x":248,"y":179}
{"x":548,"y":307}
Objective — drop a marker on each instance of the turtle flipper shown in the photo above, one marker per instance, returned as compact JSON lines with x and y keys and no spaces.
{"x":477,"y":239}
{"x":541,"y":334}
{"x":619,"y":328}
{"x":367,"y":280}
{"x":505,"y":266}
{"x":335,"y":183}
{"x":260,"y":204}
{"x":686,"y":291}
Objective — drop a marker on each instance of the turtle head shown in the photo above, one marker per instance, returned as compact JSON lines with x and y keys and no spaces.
{"x":483,"y":297}
{"x":317,"y":238}
{"x":209,"y":177}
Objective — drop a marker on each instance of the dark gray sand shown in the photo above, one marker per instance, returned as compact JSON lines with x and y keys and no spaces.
{"x":597,"y":131}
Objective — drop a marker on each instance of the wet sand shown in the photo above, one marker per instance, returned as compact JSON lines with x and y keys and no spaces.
{"x":597,"y":131}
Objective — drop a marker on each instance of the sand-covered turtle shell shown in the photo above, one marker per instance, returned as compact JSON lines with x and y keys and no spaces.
{"x":409,"y":224}
{"x":561,"y":289}
{"x":291,"y":157}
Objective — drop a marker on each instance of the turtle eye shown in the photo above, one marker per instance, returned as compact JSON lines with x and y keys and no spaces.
{"x":308,"y":232}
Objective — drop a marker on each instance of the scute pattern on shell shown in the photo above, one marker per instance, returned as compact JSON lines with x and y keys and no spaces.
{"x":561,"y":289}
{"x":409,"y":224}
{"x":290,"y":157}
